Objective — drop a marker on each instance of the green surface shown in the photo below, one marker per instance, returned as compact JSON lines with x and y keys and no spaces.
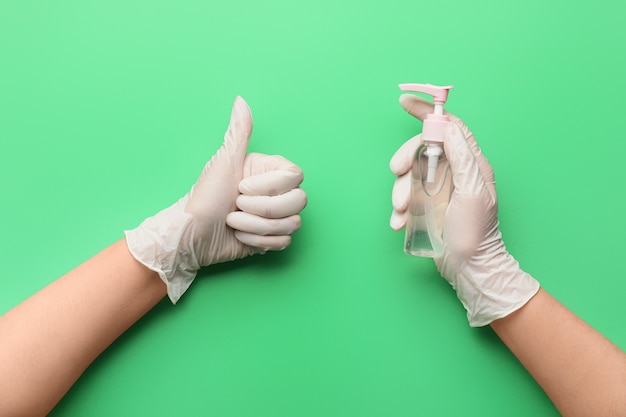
{"x":108,"y":111}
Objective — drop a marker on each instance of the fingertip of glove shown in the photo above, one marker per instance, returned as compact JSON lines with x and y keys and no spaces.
{"x":241,"y":105}
{"x":407,"y":100}
{"x":397,"y":221}
{"x":416,"y":106}
{"x":241,"y":116}
{"x":399,"y":162}
{"x":393,"y":165}
{"x":398,"y":159}
{"x":296,"y":172}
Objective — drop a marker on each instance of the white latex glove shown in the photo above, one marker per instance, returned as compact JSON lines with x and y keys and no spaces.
{"x":241,"y":204}
{"x":487,"y":279}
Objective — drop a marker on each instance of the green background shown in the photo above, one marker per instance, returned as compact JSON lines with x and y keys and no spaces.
{"x":109,"y":109}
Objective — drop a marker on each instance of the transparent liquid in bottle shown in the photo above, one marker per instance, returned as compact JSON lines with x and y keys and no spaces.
{"x":427,"y":206}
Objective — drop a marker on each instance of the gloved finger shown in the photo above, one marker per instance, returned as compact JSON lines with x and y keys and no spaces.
{"x":264,"y":242}
{"x":397,"y":220}
{"x":274,"y":207}
{"x":400,"y":165}
{"x":416,"y":106}
{"x":402,"y":160}
{"x":269,"y":175}
{"x":224,"y":171}
{"x":420,"y":108}
{"x":484,"y":166}
{"x":485,"y":169}
{"x":260,"y":163}
{"x":466,"y":174}
{"x":232,"y":153}
{"x":401,"y":192}
{"x":251,"y":223}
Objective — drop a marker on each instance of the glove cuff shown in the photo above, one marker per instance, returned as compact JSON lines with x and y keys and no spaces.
{"x":494,"y":289}
{"x":163,"y":243}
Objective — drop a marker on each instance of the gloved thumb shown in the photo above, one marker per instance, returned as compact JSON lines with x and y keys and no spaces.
{"x":224,"y":171}
{"x":237,"y":136}
{"x":229,"y":159}
{"x":466,"y":173}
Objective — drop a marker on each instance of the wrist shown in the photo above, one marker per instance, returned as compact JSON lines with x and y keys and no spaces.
{"x":163,"y":244}
{"x":493,"y":287}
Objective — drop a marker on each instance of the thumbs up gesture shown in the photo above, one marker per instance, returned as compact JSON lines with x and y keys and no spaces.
{"x":241,"y":204}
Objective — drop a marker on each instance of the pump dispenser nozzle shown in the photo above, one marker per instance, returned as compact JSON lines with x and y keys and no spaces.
{"x":435,"y":123}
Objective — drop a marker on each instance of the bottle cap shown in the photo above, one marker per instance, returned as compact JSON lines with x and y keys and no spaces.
{"x":435,"y":123}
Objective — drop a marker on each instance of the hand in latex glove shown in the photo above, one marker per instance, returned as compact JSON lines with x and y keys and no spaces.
{"x":487,"y":279}
{"x":240,"y":205}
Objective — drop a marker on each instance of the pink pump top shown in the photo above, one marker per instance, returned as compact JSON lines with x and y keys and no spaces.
{"x":435,"y":123}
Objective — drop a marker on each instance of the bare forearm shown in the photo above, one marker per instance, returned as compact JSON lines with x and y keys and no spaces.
{"x":52,"y":337}
{"x":581,"y":371}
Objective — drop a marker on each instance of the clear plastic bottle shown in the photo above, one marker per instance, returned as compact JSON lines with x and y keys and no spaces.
{"x":427,"y":206}
{"x":431,"y":180}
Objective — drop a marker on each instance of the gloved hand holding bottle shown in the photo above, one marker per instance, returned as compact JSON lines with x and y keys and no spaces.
{"x":487,"y":279}
{"x":582,"y":372}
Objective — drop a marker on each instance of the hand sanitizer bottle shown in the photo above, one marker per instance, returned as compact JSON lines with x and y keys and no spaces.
{"x":431,"y":180}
